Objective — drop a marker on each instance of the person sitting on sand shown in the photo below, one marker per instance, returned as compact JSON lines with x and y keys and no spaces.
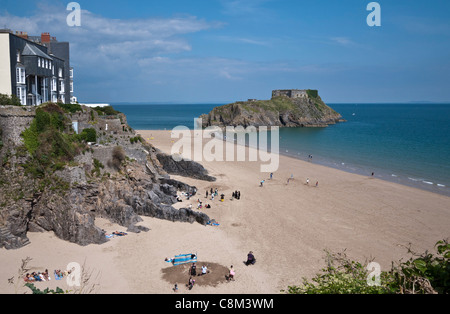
{"x":204,"y":270}
{"x":46,"y":275}
{"x":36,"y":276}
{"x":29,"y":278}
{"x":250,"y":259}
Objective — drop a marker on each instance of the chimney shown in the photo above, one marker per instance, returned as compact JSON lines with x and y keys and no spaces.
{"x":45,"y":38}
{"x":22,"y":34}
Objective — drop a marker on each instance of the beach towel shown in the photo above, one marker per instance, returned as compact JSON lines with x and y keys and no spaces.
{"x":58,"y":277}
{"x":184,"y":259}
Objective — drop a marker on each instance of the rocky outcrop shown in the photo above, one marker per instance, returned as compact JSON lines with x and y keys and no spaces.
{"x":69,"y":200}
{"x":185,"y":168}
{"x":308,"y":111}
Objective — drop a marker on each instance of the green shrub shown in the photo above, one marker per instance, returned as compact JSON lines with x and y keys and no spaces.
{"x":108,"y":111}
{"x":312,"y":93}
{"x":88,"y":135}
{"x":70,"y":108}
{"x":421,"y":274}
{"x":9,"y":100}
{"x":50,"y":148}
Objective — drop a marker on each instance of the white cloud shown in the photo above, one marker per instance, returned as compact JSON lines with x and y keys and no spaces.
{"x":111,"y":39}
{"x":345,"y":41}
{"x":244,"y":40}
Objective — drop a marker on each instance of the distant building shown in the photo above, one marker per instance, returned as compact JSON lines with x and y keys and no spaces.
{"x":291,"y":93}
{"x":35,"y":68}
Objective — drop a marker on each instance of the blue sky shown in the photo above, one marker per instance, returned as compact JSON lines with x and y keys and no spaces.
{"x":220,"y":51}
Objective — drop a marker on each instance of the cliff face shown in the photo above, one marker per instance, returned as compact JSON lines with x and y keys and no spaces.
{"x":66,"y":197}
{"x":309,"y":111}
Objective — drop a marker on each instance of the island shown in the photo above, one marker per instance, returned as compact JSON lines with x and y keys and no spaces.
{"x":286,"y":108}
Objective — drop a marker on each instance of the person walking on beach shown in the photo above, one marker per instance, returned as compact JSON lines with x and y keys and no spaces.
{"x":262,"y":183}
{"x":206,"y":193}
{"x":238,"y":195}
{"x":231,"y":274}
{"x":317,"y":184}
{"x":271,"y":176}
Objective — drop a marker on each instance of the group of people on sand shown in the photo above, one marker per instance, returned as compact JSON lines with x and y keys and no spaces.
{"x":44,"y":276}
{"x":37,"y":276}
{"x":261,"y":184}
{"x":251,"y":260}
{"x":214,"y":193}
{"x":192,"y":275}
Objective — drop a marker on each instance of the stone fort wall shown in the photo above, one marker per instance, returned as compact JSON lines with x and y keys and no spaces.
{"x":290,"y":93}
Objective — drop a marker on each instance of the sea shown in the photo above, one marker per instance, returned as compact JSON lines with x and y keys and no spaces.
{"x":404,"y":143}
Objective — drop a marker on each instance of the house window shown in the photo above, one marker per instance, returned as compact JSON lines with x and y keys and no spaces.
{"x":71,"y":87}
{"x":18,"y":56}
{"x":53,"y":84}
{"x":21,"y":94}
{"x":61,"y":86}
{"x":71,"y":73}
{"x":20,"y":75}
{"x":39,"y":62}
{"x":46,"y":63}
{"x":60,"y":72}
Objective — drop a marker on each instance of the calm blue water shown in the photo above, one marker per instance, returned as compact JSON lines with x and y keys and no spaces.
{"x":404,"y":143}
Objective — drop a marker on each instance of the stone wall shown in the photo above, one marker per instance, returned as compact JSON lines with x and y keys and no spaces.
{"x":291,"y":93}
{"x":13,"y":121}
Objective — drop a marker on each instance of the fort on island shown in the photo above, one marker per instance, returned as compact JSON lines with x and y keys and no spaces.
{"x":290,"y":93}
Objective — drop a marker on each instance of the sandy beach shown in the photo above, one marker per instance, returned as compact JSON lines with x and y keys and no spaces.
{"x":287,"y":226}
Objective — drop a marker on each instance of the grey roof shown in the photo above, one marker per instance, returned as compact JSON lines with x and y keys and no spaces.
{"x":30,"y":50}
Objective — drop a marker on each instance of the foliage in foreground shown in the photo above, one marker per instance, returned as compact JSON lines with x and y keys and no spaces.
{"x":426,"y":273}
{"x":9,"y":100}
